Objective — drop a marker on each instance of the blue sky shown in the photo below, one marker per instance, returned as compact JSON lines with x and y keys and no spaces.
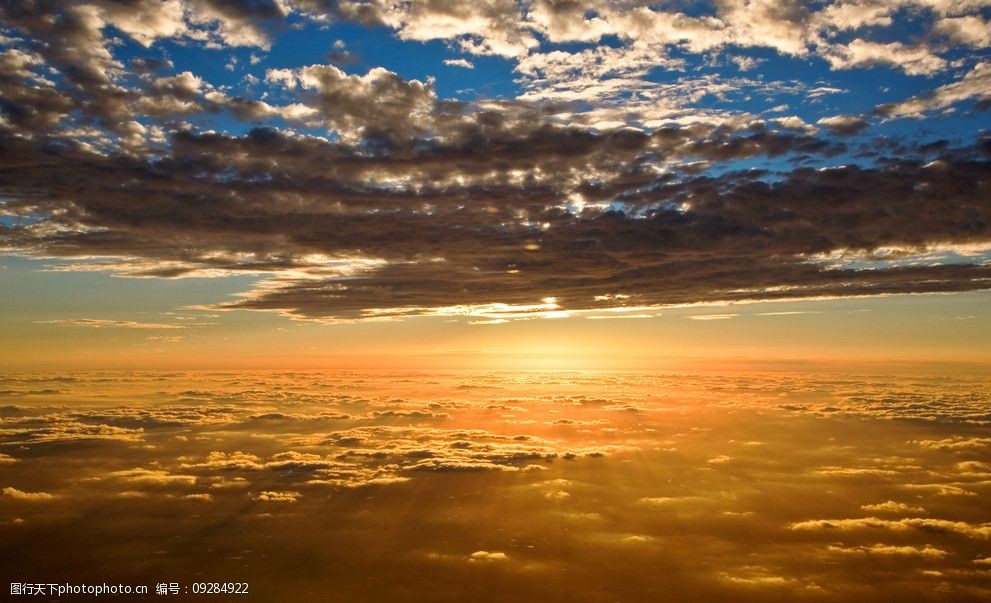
{"x":776,"y":78}
{"x":488,"y":162}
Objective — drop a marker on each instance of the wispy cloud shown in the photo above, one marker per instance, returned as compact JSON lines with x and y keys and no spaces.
{"x":103,"y":323}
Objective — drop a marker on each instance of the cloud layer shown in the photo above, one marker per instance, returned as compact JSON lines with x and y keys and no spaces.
{"x":565,"y":484}
{"x":364,"y":194}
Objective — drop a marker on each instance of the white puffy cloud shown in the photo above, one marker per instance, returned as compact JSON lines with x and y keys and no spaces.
{"x":971,"y":30}
{"x":976,"y":84}
{"x":914,"y":60}
{"x":487,"y":27}
{"x":146,"y":20}
{"x":463,"y":63}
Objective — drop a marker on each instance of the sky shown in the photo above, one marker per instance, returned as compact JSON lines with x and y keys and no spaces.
{"x":447,"y":300}
{"x":496,"y":184}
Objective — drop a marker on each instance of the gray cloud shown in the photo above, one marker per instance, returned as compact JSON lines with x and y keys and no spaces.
{"x":843,"y":125}
{"x":273,"y":203}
